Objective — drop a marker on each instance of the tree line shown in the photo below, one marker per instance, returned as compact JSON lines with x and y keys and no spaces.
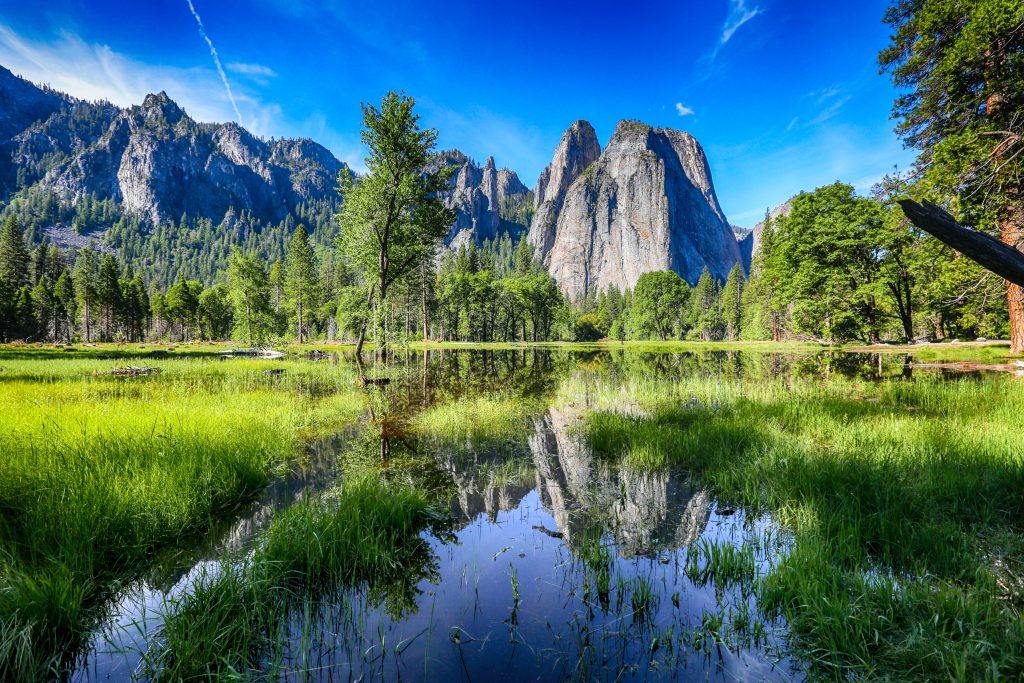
{"x":839,"y":267}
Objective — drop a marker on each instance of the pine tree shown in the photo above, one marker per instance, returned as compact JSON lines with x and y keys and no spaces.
{"x":732,"y":302}
{"x":64,"y":293}
{"x":14,"y":256}
{"x":84,"y":278}
{"x":108,"y":292}
{"x":300,"y":280}
{"x":250,"y":294}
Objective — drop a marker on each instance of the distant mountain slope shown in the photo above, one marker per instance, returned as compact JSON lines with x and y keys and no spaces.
{"x":152,"y":159}
{"x":161,"y":164}
{"x":487,"y":201}
{"x":174,"y":196}
{"x":41,"y":128}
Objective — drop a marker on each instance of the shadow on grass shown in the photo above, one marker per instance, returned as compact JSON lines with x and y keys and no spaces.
{"x":886,"y":576}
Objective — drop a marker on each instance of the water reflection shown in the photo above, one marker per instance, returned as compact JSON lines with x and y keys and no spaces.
{"x":646,"y":512}
{"x":540,"y":522}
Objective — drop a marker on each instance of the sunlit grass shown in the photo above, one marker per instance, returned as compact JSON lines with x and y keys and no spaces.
{"x":478,"y":417}
{"x":99,"y":472}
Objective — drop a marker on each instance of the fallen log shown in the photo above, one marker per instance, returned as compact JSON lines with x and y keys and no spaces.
{"x":547,"y":531}
{"x":363,"y":382}
{"x":1002,"y":259}
{"x":129,"y":371}
{"x":254,"y":353}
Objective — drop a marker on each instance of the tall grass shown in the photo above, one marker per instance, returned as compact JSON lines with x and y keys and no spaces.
{"x":892,"y":490}
{"x":237,"y":619}
{"x":477,"y":418}
{"x":99,"y":472}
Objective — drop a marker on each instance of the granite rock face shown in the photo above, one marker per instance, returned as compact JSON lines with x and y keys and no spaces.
{"x":754,"y":238}
{"x":646,"y":204}
{"x":485,"y":200}
{"x":744,"y":238}
{"x":576,"y":152}
{"x":161,"y":164}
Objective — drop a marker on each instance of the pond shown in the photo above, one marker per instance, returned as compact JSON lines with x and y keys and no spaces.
{"x":548,"y":554}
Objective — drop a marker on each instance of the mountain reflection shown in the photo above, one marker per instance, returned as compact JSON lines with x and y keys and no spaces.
{"x":644,"y":512}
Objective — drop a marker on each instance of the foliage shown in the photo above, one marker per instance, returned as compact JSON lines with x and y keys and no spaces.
{"x":392,"y":219}
{"x":658,"y":301}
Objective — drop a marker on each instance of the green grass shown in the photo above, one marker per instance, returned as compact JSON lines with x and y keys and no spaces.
{"x":476,"y":418}
{"x":901,"y":500}
{"x":893,"y":492}
{"x":365,"y":535}
{"x":101,"y":472}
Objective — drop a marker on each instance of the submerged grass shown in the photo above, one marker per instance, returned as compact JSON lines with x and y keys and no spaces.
{"x":891,"y":490}
{"x":237,"y":619}
{"x":99,"y":472}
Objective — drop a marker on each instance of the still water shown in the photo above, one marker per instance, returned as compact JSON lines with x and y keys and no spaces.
{"x":552,"y":564}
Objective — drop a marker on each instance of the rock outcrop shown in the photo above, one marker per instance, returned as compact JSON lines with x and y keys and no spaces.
{"x":645,"y":512}
{"x":744,"y":238}
{"x":40,"y":128}
{"x":751,"y":241}
{"x":647,"y":203}
{"x":487,"y":201}
{"x":161,"y":164}
{"x":578,"y":149}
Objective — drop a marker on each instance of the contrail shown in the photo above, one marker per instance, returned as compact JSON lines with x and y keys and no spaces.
{"x":216,"y":60}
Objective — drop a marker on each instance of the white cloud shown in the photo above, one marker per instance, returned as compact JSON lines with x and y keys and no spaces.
{"x":826,"y":104}
{"x":251,"y":70}
{"x":820,"y":96}
{"x":96,"y":72}
{"x":829,"y":112}
{"x":683,"y":110}
{"x":738,"y":15}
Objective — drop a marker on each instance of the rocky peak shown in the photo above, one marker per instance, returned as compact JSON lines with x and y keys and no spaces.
{"x":577,"y":150}
{"x":477,"y":195}
{"x":160,"y":108}
{"x":509,"y":183}
{"x":647,"y":203}
{"x":752,"y":243}
{"x":160,"y":164}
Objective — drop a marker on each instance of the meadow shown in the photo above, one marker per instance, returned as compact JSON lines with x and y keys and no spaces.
{"x":575,"y":511}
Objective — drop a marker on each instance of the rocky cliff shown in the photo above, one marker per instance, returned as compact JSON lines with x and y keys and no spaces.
{"x":647,"y":203}
{"x":161,"y":164}
{"x":750,"y":241}
{"x":576,"y":151}
{"x":487,"y":201}
{"x":40,"y":128}
{"x":152,"y":157}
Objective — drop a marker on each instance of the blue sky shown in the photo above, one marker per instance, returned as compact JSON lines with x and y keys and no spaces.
{"x":783,"y":95}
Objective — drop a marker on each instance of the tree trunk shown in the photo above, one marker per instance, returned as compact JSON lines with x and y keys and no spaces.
{"x":423,"y":307}
{"x":88,"y":328}
{"x":1012,"y":233}
{"x":362,"y":327}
